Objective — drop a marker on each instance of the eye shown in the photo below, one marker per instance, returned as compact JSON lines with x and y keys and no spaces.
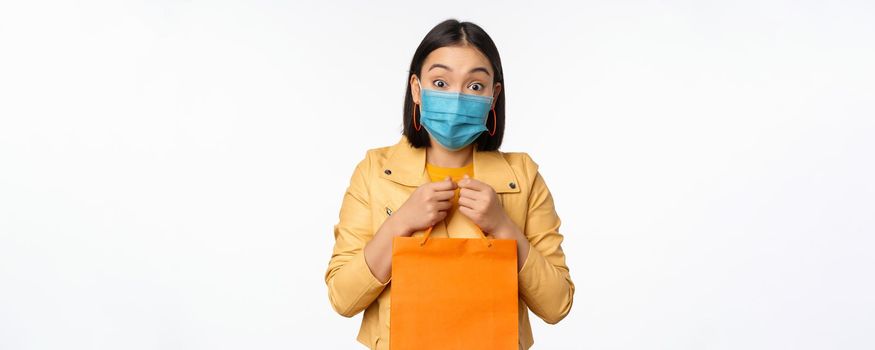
{"x":440,"y":83}
{"x":476,"y":86}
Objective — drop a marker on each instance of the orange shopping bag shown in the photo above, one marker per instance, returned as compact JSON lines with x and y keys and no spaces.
{"x":453,"y":293}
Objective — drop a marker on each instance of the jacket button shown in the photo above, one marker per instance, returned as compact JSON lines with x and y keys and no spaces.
{"x":387,"y":172}
{"x":512,"y":185}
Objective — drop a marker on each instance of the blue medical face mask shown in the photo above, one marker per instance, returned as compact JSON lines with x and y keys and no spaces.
{"x":454,"y":119}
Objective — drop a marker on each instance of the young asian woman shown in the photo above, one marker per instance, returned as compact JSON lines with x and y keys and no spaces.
{"x":447,"y":172}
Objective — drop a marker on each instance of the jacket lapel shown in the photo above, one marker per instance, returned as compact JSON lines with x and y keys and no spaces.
{"x":405,"y":165}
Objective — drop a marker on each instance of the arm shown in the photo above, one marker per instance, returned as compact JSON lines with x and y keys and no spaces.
{"x":351,"y":284}
{"x":361,"y":265}
{"x":545,"y":282}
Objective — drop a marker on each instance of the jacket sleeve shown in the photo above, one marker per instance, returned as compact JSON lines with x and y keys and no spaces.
{"x":545,"y":282}
{"x":351,"y":284}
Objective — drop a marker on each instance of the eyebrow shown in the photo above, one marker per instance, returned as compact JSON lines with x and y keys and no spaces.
{"x":478,"y":69}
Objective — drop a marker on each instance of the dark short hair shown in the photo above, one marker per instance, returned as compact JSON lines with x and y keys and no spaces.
{"x":453,"y":33}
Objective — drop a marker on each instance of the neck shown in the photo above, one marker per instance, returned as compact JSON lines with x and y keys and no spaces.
{"x":445,"y":158}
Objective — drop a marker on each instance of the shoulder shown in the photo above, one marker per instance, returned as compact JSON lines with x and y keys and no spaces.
{"x":378,"y":155}
{"x":374,"y":160}
{"x":366,"y":167}
{"x":522,"y":164}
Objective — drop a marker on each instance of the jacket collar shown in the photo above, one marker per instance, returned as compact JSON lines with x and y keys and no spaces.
{"x":406,"y":165}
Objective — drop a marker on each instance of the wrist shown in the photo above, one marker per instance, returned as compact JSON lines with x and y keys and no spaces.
{"x":505,"y":229}
{"x":397,"y":227}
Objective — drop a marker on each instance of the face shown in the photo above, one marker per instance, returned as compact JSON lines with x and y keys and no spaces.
{"x":456,"y":69}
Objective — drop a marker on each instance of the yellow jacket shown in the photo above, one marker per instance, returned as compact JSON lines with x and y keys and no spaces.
{"x":384,"y":180}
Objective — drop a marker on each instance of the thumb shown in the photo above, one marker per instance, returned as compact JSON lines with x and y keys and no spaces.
{"x":465,"y":179}
{"x":450,"y":179}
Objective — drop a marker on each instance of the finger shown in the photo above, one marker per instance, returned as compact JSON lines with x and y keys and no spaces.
{"x":450,"y":180}
{"x":444,"y":195}
{"x":444,"y":205}
{"x":467,"y":202}
{"x":472,"y":184}
{"x":469,"y":195}
{"x":446,"y":184}
{"x":472,"y":194}
{"x":468,"y":212}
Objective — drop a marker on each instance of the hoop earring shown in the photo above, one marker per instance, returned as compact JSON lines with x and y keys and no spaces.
{"x":494,"y":122}
{"x":415,"y":126}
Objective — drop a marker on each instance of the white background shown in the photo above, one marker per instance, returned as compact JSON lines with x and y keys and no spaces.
{"x":170,"y":172}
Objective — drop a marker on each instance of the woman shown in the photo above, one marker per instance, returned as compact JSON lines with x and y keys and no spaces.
{"x":447,"y":172}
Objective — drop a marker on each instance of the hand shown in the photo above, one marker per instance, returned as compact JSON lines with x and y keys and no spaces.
{"x":426,"y":206}
{"x":479,"y":202}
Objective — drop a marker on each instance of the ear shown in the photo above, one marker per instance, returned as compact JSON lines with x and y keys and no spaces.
{"x":495,"y":92}
{"x":414,"y":89}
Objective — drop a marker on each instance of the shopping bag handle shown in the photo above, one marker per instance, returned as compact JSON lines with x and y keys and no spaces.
{"x":428,"y":233}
